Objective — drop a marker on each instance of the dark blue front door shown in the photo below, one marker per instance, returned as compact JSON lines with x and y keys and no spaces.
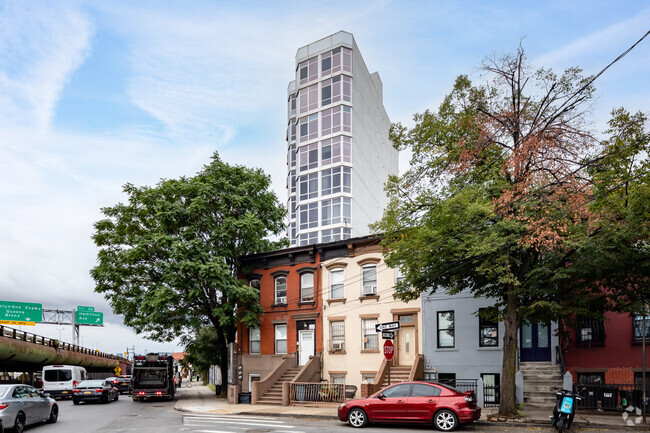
{"x":535,"y":342}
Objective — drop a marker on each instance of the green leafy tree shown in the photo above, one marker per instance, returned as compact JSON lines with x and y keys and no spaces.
{"x":168,"y":258}
{"x":496,"y":197}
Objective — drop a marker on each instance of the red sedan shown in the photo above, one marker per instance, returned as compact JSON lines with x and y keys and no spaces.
{"x":413,"y":402}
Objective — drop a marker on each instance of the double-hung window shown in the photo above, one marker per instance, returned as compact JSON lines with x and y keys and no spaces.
{"x":638,"y":329}
{"x":488,"y":331}
{"x":337,"y":335}
{"x":307,"y":287}
{"x":337,"y":284}
{"x":255,"y":341}
{"x":280,"y":338}
{"x":446,"y":337}
{"x":369,"y":334}
{"x":369,"y":280}
{"x":591,"y":332}
{"x":281,"y":290}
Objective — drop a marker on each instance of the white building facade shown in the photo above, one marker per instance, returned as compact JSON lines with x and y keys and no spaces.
{"x":339,"y":155}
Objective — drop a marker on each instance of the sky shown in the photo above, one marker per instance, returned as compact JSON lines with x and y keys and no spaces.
{"x":97,"y":94}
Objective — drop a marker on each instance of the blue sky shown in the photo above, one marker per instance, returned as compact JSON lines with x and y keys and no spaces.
{"x":100,"y":93}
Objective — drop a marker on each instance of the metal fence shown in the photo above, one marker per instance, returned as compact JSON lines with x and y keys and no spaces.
{"x":317,"y":392}
{"x":461,"y":384}
{"x":609,"y":397}
{"x":491,"y":395}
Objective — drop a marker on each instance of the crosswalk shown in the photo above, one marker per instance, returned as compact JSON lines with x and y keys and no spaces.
{"x":234,"y":423}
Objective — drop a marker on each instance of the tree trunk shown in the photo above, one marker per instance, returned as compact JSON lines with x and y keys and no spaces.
{"x":508,"y":403}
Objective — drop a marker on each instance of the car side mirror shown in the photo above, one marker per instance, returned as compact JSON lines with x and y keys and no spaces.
{"x":381,"y":397}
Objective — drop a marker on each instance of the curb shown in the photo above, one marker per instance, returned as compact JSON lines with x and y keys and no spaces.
{"x":481,"y":423}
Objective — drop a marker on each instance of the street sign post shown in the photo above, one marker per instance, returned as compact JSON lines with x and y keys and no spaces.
{"x":389,"y":350}
{"x":21,"y":312}
{"x":388,"y":335}
{"x":89,"y":318}
{"x":389,"y":326}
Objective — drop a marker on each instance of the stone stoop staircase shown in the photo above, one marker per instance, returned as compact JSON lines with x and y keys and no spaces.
{"x":397,"y":374}
{"x":540,"y":380}
{"x":274,"y":394}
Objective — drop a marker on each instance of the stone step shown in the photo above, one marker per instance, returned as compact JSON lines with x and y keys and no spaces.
{"x":269,"y":401}
{"x":540,"y":407}
{"x":539,"y":399}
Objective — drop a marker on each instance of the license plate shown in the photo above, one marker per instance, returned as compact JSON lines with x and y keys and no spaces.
{"x":64,"y":392}
{"x":567,"y":404}
{"x":86,"y":392}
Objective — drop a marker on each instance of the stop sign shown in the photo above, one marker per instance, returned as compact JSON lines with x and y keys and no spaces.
{"x":389,"y":349}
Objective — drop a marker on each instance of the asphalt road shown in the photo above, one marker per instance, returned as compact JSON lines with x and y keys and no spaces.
{"x":125,"y":415}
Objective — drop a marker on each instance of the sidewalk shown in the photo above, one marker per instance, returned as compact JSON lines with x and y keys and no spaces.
{"x":201,"y":400}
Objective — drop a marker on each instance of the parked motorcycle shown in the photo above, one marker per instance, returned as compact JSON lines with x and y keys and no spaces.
{"x":565,"y":409}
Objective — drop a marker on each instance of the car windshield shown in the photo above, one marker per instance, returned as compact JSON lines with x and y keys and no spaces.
{"x":451,"y":387}
{"x":90,"y":384}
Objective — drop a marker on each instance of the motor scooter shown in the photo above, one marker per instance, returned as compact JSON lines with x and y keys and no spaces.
{"x":565,"y":409}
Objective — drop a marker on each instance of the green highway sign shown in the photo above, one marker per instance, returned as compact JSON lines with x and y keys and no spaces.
{"x":80,"y":308}
{"x":89,"y":318}
{"x":21,"y":311}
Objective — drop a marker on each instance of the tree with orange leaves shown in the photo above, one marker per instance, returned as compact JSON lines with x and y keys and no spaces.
{"x":498,"y":199}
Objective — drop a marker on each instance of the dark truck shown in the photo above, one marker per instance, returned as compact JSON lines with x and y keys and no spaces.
{"x":153,"y":376}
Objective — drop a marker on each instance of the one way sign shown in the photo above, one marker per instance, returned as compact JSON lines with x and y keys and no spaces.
{"x":387,"y":326}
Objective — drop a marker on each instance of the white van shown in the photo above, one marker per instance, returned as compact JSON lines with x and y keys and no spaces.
{"x":58,"y":380}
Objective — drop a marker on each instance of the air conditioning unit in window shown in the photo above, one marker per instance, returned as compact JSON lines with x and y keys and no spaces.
{"x":369,"y":290}
{"x":282,"y":300}
{"x":337,"y":345}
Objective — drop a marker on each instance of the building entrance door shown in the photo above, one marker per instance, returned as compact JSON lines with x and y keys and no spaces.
{"x":306,"y":345}
{"x":406,"y":345}
{"x":535,"y":342}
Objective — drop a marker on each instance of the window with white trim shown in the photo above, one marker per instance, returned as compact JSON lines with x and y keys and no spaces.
{"x":369,"y":334}
{"x":335,"y":210}
{"x":308,"y":98}
{"x":446,"y":335}
{"x":336,"y":119}
{"x":337,"y":283}
{"x":308,"y":184}
{"x":292,"y":105}
{"x":308,"y":157}
{"x":336,"y":89}
{"x":331,"y":235}
{"x":280,"y":339}
{"x":307,"y":287}
{"x":308,"y":216}
{"x":308,"y":238}
{"x":308,"y":70}
{"x":292,"y":129}
{"x":369,"y":280}
{"x":337,"y":378}
{"x":336,"y":149}
{"x":308,"y":127}
{"x":336,"y":60}
{"x":280,"y":290}
{"x":337,"y":335}
{"x":255,"y":341}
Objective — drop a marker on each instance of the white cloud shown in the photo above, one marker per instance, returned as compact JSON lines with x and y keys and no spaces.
{"x":41,"y":45}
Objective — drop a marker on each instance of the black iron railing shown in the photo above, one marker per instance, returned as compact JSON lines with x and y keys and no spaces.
{"x":614,"y":397}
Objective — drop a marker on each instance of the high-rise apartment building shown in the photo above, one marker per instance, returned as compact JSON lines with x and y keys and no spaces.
{"x":338,"y":152}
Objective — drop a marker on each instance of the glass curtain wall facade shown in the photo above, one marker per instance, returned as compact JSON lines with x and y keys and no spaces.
{"x":321,"y":142}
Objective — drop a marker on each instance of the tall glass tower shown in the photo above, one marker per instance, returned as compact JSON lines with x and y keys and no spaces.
{"x":338,"y":153}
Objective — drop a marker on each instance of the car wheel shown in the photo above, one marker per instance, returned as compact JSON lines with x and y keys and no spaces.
{"x":54,"y":414}
{"x":445,"y":420}
{"x":105,"y":399}
{"x":357,"y":418}
{"x":19,"y":424}
{"x":117,"y":396}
